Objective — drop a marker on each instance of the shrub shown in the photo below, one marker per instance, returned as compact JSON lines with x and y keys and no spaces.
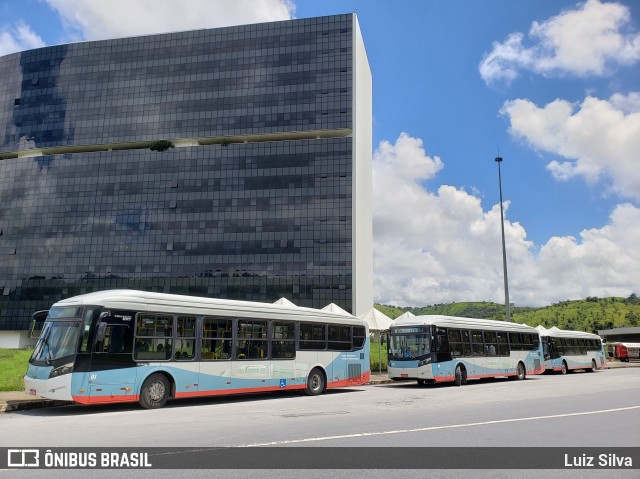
{"x":160,"y":145}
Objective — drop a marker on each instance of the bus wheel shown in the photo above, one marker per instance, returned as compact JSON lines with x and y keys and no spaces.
{"x":154,"y":392}
{"x":315,"y":382}
{"x":594,"y":366}
{"x":522,"y":372}
{"x":461,"y":376}
{"x":565,"y":368}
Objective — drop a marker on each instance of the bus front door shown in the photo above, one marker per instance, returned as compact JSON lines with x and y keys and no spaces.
{"x":113,"y":371}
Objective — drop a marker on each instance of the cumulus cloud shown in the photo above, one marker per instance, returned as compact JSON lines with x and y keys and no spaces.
{"x":604,"y":262}
{"x":17,"y":38}
{"x":441,"y":246}
{"x":99,"y":19}
{"x":583,"y":41}
{"x":597,"y":139}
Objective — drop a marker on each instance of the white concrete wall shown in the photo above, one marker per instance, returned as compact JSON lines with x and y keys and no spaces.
{"x":362,"y":177}
{"x":16,"y":340}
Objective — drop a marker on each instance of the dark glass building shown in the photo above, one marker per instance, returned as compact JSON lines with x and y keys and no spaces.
{"x":266,"y":193}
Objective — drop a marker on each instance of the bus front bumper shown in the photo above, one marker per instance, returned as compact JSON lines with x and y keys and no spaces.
{"x":409,"y":370}
{"x":53,"y":388}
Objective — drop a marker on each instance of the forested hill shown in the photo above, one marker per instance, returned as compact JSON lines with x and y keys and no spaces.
{"x":588,"y":314}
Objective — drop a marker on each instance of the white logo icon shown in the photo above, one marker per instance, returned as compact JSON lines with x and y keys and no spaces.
{"x":23,"y":458}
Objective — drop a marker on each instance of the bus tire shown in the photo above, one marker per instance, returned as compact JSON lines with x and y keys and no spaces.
{"x":594,"y":366}
{"x":521,"y":372}
{"x":155,"y":391}
{"x":460,"y":376}
{"x":315,"y":382}
{"x":564,"y":369}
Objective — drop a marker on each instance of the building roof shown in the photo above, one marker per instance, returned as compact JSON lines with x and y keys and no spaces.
{"x":377,"y":320}
{"x":611,"y":332}
{"x":285,"y":302}
{"x":334,"y":308}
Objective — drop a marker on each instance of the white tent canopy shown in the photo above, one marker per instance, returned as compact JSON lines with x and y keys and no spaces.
{"x":285,"y":302}
{"x":334,"y":308}
{"x":377,"y":321}
{"x":406,"y":315}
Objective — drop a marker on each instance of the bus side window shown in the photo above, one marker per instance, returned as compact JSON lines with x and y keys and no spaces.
{"x":442,"y":342}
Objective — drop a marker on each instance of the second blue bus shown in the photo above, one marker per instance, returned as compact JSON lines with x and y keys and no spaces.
{"x":434,"y":349}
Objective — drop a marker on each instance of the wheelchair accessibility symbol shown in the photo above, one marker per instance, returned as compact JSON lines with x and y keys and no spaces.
{"x":283,"y":383}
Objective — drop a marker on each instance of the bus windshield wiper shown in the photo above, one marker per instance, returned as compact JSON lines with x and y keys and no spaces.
{"x":47,"y":354}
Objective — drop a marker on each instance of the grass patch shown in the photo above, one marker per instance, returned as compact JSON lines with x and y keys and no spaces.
{"x":13,"y":366}
{"x":373,"y":357}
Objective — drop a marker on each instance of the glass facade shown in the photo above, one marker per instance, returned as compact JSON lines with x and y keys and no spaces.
{"x":255,"y":220}
{"x":253,"y":79}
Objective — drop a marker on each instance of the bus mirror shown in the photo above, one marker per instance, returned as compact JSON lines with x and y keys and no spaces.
{"x":102,"y":327}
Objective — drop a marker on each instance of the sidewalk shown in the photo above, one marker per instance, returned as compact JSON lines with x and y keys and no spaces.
{"x":20,"y":401}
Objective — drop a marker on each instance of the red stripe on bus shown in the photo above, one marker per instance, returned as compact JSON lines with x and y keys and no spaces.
{"x":364,"y":378}
{"x":357,"y":381}
{"x":448,"y":379}
{"x":105,"y":399}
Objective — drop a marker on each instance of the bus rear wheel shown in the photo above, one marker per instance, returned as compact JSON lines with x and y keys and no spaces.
{"x":460,"y":376}
{"x":564,"y":369}
{"x":154,"y":392}
{"x":315,"y":383}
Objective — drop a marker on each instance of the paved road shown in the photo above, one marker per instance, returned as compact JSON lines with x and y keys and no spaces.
{"x":581,"y":409}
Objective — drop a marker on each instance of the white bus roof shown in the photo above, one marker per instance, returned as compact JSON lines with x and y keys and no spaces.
{"x":630,"y":345}
{"x":565,"y":333}
{"x":172,"y":303}
{"x":457,"y":322}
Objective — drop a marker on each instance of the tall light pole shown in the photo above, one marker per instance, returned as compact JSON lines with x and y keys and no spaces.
{"x":504,"y":249}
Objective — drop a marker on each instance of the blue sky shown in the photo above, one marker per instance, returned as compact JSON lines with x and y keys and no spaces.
{"x":552,"y":86}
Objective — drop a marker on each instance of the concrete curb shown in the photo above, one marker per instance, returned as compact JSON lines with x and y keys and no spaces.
{"x":21,"y":405}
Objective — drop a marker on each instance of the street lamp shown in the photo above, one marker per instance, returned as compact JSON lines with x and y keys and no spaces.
{"x":504,"y":249}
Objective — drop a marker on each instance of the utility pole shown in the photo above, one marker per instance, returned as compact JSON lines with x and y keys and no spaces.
{"x":504,"y":249}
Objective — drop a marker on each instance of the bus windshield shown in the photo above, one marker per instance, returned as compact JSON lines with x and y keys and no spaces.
{"x":57,"y":340}
{"x":410,"y":343}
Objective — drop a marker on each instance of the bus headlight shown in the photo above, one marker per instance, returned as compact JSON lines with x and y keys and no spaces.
{"x":60,"y":370}
{"x":424,"y":362}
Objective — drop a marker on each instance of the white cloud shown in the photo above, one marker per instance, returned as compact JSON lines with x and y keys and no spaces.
{"x":584,"y":41}
{"x":18,"y":38}
{"x":99,"y":19}
{"x":626,"y":103}
{"x":598,"y":139}
{"x":605,"y":262}
{"x":442,"y":246}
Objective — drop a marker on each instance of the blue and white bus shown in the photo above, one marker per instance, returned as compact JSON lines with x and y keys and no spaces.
{"x":433,"y":349}
{"x":127,"y":346}
{"x":565,"y":350}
